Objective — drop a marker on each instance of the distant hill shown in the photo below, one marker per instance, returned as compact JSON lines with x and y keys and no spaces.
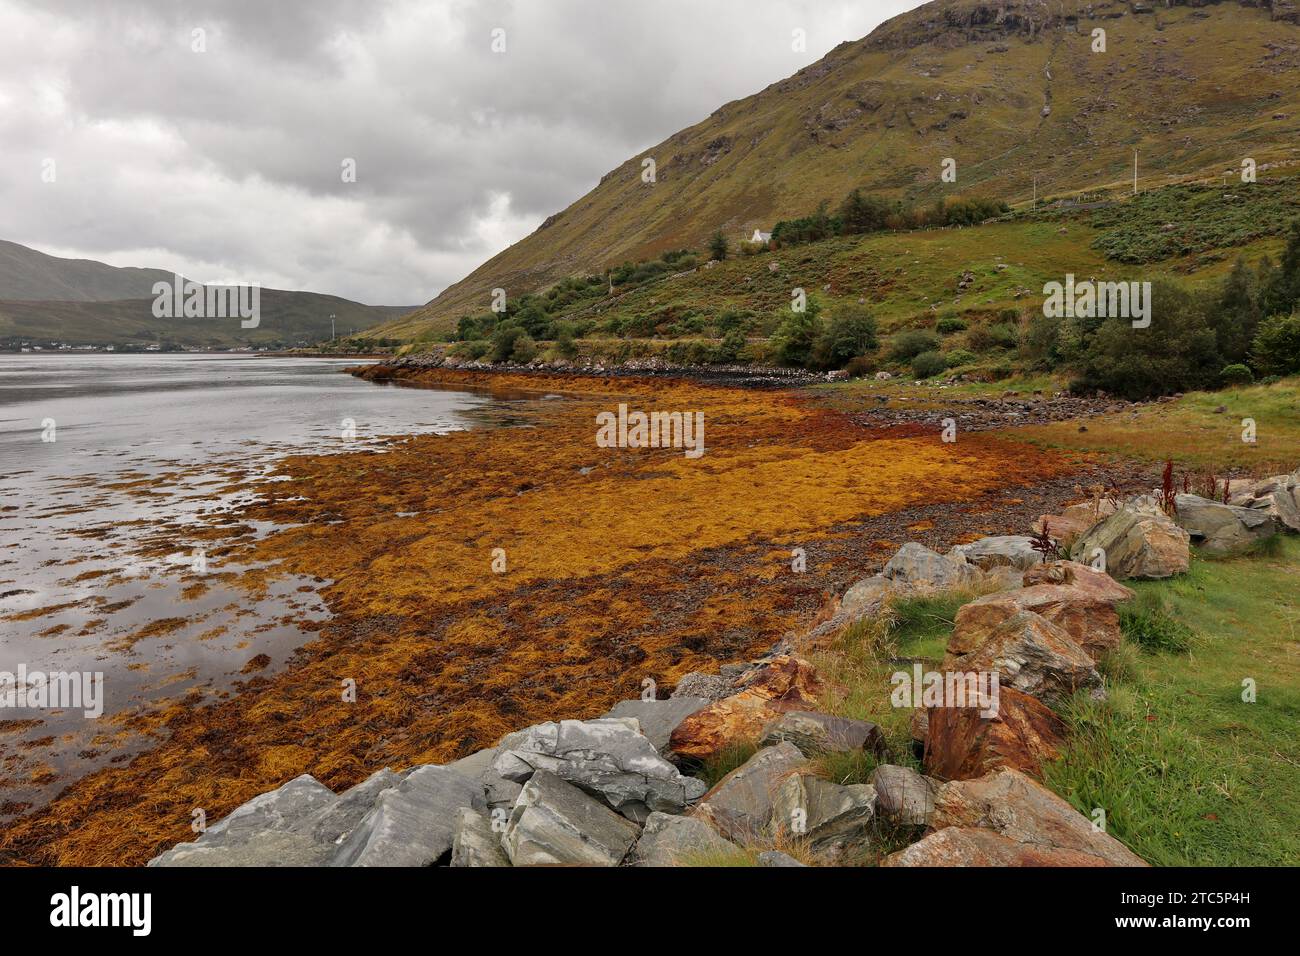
{"x":45,"y":298}
{"x":1010,"y":89}
{"x":31,"y":275}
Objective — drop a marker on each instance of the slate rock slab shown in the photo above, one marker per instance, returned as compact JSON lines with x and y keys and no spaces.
{"x":555,"y":823}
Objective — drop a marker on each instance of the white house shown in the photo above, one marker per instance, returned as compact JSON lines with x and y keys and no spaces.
{"x":760,"y":236}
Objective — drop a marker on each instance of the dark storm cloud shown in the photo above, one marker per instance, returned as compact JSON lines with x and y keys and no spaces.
{"x":225,"y":164}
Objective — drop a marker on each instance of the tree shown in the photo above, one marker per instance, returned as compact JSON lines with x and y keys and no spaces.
{"x":718,"y":246}
{"x":1276,"y":350}
{"x":1280,"y":290}
{"x":1236,"y":313}
{"x":1178,"y":352}
{"x":862,"y":214}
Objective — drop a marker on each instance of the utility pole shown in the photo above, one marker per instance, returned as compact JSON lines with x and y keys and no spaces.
{"x":1135,"y":172}
{"x":331,"y":327}
{"x":1035,"y":190}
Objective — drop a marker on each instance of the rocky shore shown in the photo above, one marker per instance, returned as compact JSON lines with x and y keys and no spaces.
{"x":621,"y":789}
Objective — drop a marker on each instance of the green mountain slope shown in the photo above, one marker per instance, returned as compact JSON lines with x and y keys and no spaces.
{"x":1011,"y":90}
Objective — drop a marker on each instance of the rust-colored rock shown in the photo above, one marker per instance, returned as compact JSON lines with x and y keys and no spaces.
{"x":1024,"y":811}
{"x":961,"y":744}
{"x":1063,"y":529}
{"x":764,"y":694}
{"x":1097,"y":583}
{"x":1029,"y":652}
{"x":967,"y":846}
{"x":1091,"y":622}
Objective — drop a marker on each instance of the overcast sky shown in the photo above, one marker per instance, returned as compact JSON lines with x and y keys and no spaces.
{"x":227,"y":164}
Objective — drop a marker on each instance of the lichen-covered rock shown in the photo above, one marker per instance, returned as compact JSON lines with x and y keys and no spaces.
{"x":1008,"y":550}
{"x":916,"y":565}
{"x":1098,"y":584}
{"x":607,"y":756}
{"x":962,"y":743}
{"x":740,"y":805}
{"x":1029,"y":652}
{"x":777,"y":858}
{"x":1138,"y":541}
{"x":1016,"y":807}
{"x":833,"y":820}
{"x":1220,"y":529}
{"x":783,"y":685}
{"x":817,"y":733}
{"x":555,"y":823}
{"x":668,"y":840}
{"x":903,"y":796}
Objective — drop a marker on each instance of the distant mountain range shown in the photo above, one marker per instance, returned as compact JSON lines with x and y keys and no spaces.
{"x":45,"y":298}
{"x":1016,"y":92}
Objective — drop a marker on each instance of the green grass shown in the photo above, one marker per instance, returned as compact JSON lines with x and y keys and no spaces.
{"x":1147,"y":622}
{"x":1189,"y":773}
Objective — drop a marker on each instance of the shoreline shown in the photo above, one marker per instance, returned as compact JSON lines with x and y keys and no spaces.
{"x":639,"y":565}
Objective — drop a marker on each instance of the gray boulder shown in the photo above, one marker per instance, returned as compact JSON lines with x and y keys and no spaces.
{"x":1008,"y":550}
{"x":474,"y":842}
{"x":740,"y":806}
{"x":261,"y":832}
{"x":904,"y":796}
{"x":500,"y":792}
{"x":833,"y":819}
{"x":668,"y":840}
{"x":659,"y":718}
{"x":1138,"y":541}
{"x":607,"y":756}
{"x":1223,"y":529}
{"x":411,"y":824}
{"x":916,"y":565}
{"x":335,"y":821}
{"x":555,"y":823}
{"x":816,"y":733}
{"x":1278,"y":496}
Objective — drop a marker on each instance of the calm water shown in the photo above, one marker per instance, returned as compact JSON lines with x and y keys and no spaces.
{"x":77,"y":593}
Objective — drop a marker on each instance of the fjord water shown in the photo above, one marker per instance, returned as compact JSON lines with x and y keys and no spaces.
{"x":145,"y":449}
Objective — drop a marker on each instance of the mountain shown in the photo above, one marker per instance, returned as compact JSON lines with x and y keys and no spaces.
{"x":45,"y":298}
{"x":1010,"y":89}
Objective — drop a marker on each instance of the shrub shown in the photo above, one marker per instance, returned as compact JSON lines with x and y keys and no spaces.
{"x":1002,"y":335}
{"x":1237,"y":374}
{"x":794,"y":338}
{"x":732,"y":347}
{"x":929,"y":364}
{"x":473,"y":350}
{"x":961,"y":357}
{"x":951,"y":324}
{"x":503,"y":341}
{"x":860,"y":367}
{"x":850,"y":332}
{"x":1276,"y":349}
{"x":908,"y":345}
{"x":525,"y":349}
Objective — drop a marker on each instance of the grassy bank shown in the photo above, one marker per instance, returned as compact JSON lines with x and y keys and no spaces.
{"x":1187,"y":772}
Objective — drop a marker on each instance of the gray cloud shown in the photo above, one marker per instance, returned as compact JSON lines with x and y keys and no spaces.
{"x":225,"y":164}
